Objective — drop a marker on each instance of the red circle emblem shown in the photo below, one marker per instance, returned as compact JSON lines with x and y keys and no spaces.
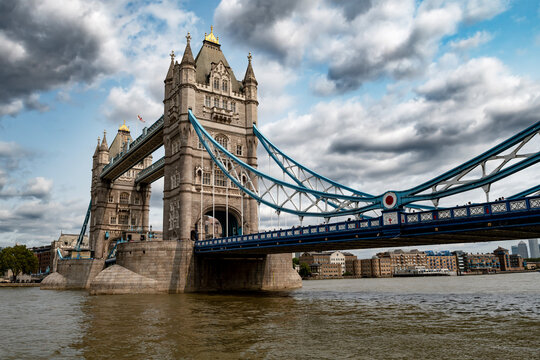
{"x":389,"y":200}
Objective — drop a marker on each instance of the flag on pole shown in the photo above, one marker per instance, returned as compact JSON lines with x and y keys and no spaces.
{"x":140,"y":118}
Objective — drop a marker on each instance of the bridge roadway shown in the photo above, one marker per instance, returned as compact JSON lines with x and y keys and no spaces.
{"x":494,"y":221}
{"x":150,"y":140}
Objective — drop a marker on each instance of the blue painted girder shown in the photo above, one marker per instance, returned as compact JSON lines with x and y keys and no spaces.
{"x":502,"y":220}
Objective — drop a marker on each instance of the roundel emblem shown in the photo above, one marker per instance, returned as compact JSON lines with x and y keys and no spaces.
{"x":389,"y":200}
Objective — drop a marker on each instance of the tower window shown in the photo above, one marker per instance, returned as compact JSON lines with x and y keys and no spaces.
{"x":222,"y":140}
{"x":224,"y":85}
{"x":113,"y":220}
{"x":123,"y":219}
{"x":206,"y":178}
{"x":216,"y":84}
{"x":225,"y":104}
{"x":124,"y":198}
{"x":207,"y":101}
{"x":216,"y":102}
{"x":233,"y":107}
{"x":111,"y":198}
{"x":239,"y":150}
{"x":219,"y":178}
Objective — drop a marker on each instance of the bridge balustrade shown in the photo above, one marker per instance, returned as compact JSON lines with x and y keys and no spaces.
{"x":472,"y":211}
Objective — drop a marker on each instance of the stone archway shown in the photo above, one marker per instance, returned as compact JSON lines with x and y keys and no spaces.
{"x":219,"y":222}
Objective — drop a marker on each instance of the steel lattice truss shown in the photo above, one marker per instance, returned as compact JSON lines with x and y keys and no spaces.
{"x":303,"y":192}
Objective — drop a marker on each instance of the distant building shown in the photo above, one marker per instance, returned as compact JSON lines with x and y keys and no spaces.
{"x":328,"y":257}
{"x":481,"y":262}
{"x":508,"y":262}
{"x":514,"y":250}
{"x":44,"y":255}
{"x":534,"y":248}
{"x":349,"y":263}
{"x":522,"y":250}
{"x":402,"y":260}
{"x":443,"y":260}
{"x":376,"y":267}
{"x":460,"y":261}
{"x":326,"y":270}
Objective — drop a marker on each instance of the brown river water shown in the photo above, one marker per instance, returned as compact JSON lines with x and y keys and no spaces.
{"x":469,"y":317}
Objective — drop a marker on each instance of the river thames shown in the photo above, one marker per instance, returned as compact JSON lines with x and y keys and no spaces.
{"x":474,"y":317}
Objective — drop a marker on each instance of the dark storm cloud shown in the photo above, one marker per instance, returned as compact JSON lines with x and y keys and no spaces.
{"x":251,"y":23}
{"x":44,"y":51}
{"x":352,"y":8}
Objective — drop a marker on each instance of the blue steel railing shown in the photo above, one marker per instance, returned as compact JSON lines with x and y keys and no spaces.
{"x":470,"y":211}
{"x":132,"y":146}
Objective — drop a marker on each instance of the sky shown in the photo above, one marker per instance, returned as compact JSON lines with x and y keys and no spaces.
{"x":378,"y":95}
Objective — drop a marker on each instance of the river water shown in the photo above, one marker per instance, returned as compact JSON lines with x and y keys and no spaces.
{"x":474,"y":317}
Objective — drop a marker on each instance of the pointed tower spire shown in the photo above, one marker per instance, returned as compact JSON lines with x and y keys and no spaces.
{"x":104,"y":146}
{"x":250,"y":75}
{"x":188,"y":55}
{"x":97,"y":146}
{"x":171,"y":67}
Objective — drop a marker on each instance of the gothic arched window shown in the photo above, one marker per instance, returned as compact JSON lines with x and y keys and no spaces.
{"x":224,"y":85}
{"x":222,"y":140}
{"x":216,"y":84}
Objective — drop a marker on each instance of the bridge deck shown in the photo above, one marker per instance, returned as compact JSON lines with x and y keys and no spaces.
{"x":144,"y":145}
{"x":502,"y":220}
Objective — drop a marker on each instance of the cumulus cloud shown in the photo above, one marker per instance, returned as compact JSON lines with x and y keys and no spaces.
{"x":399,"y":142}
{"x":36,"y":223}
{"x":145,"y":32}
{"x":481,"y":37}
{"x":358,"y":41}
{"x":46,"y":44}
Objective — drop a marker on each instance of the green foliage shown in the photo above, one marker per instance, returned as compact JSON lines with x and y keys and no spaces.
{"x":346,"y":273}
{"x":19,"y":260}
{"x":305,"y":271}
{"x":295,"y":262}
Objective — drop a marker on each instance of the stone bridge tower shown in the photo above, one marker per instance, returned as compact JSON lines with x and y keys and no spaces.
{"x":227,"y":108}
{"x":118,"y":206}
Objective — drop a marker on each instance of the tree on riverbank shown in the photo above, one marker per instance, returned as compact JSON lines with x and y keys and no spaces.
{"x":305,"y":271}
{"x":19,"y":260}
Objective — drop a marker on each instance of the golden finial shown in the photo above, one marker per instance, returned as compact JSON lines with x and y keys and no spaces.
{"x":123,"y":127}
{"x":172,"y":55}
{"x":211,"y":37}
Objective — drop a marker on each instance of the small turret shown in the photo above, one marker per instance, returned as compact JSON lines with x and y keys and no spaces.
{"x":170,"y":73}
{"x":188,"y":59}
{"x":104,"y":146}
{"x":103,"y":155}
{"x":249,"y":78}
{"x":250,"y":89}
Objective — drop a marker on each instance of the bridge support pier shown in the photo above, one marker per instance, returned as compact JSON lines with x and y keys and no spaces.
{"x":172,"y":267}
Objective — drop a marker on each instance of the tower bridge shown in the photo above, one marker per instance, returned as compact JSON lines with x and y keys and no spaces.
{"x":213,"y":190}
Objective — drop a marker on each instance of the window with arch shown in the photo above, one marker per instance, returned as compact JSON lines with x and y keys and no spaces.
{"x":216,"y":84}
{"x":222,"y":140}
{"x":233,"y":106}
{"x":225,"y":104}
{"x":124,"y":198}
{"x":224,"y":85}
{"x":216,"y":102}
{"x":207,"y":101}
